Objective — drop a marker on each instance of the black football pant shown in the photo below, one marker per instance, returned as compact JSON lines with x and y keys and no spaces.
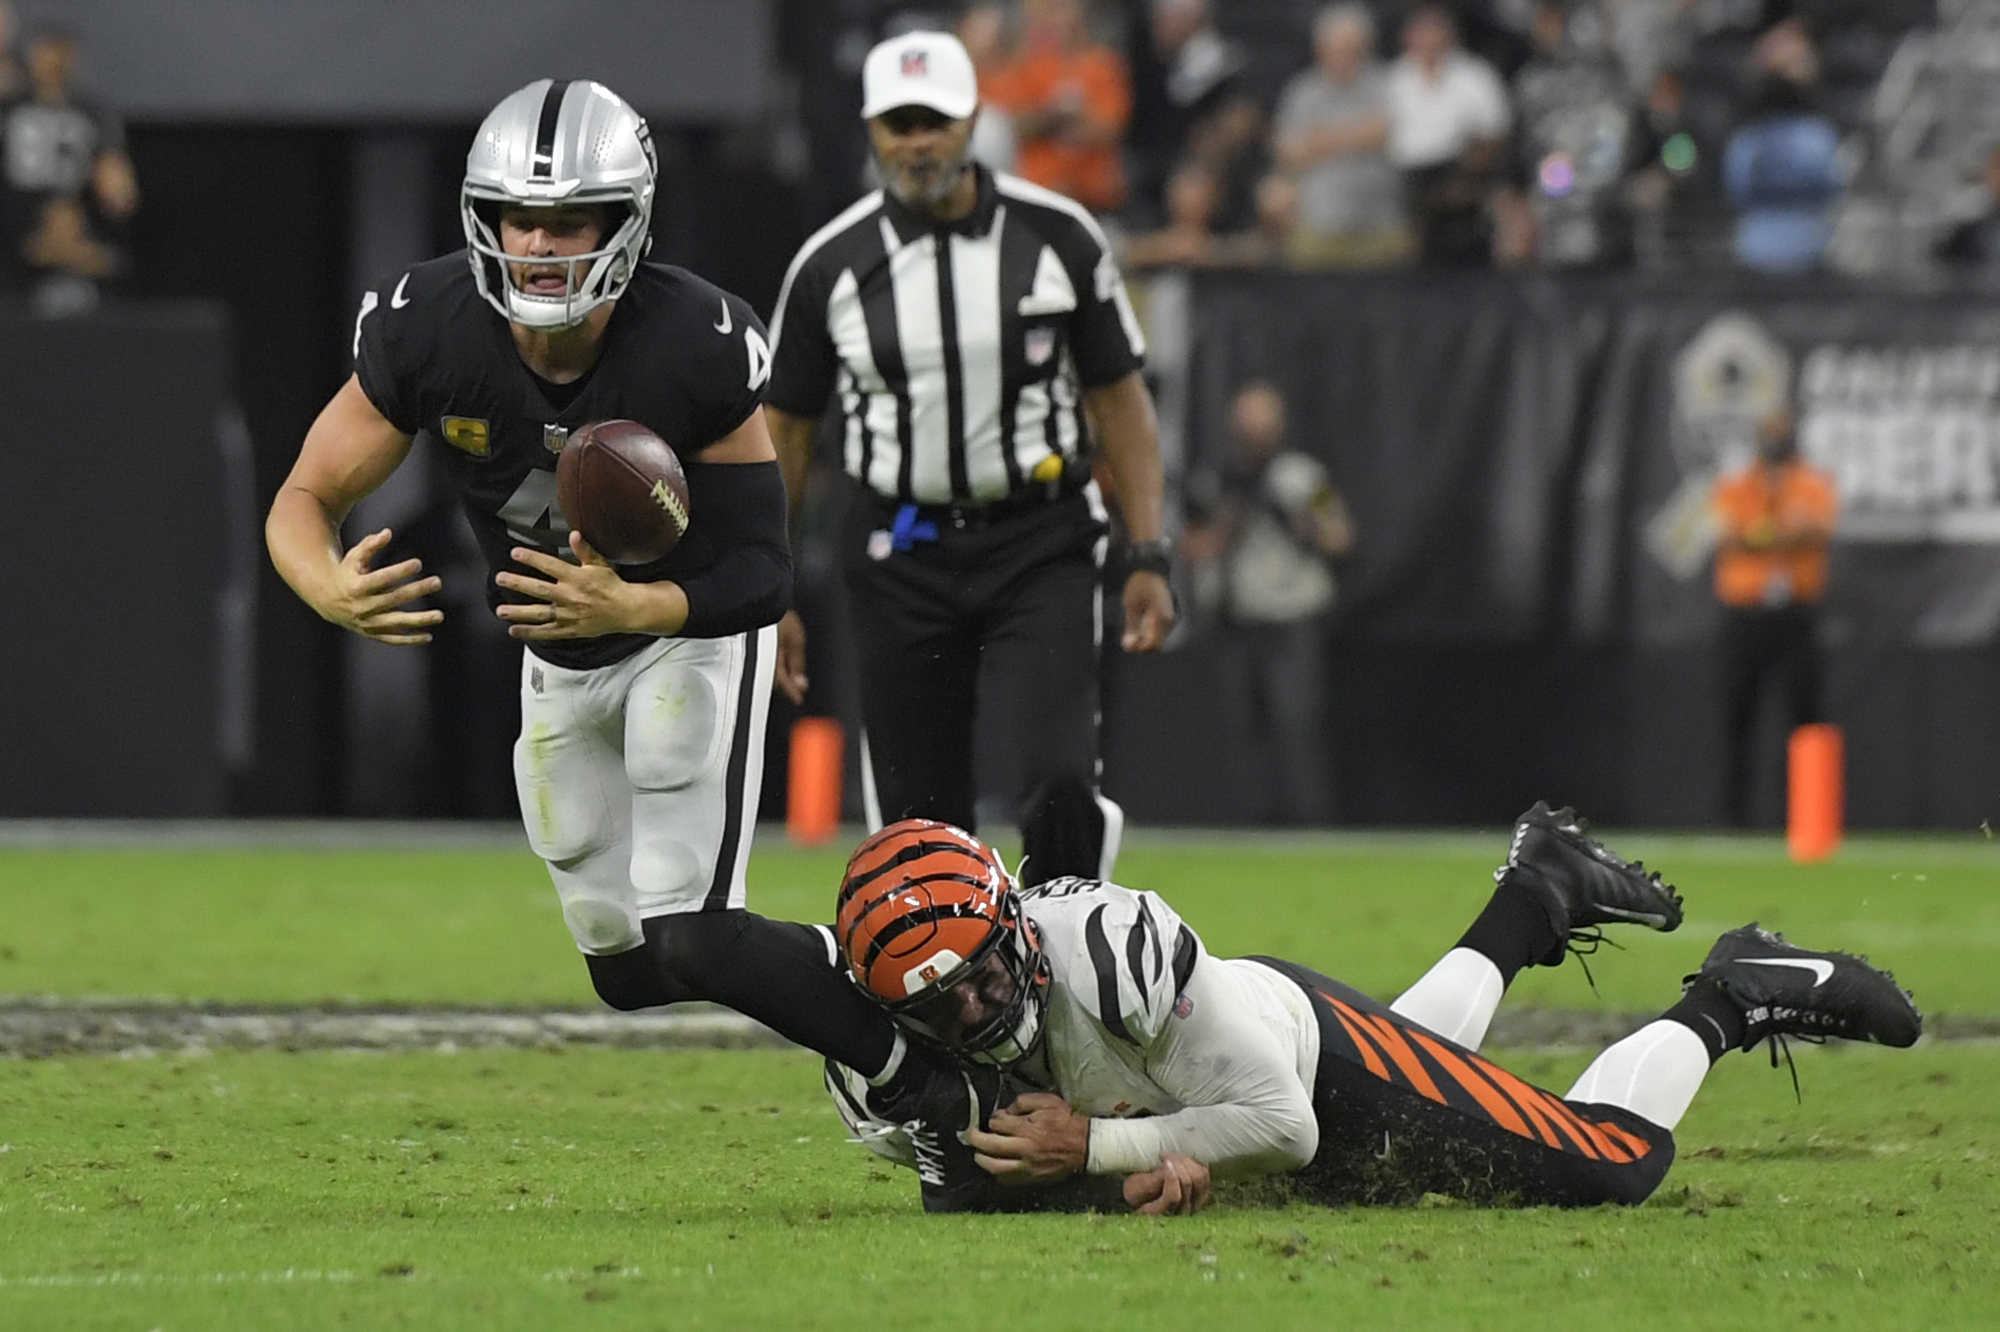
{"x":1006,"y":613}
{"x":1403,"y":1112}
{"x":1780,"y":645}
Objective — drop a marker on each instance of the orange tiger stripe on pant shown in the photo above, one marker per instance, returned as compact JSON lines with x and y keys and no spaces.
{"x":1514,"y":1105}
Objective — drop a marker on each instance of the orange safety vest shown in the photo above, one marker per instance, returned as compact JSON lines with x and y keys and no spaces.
{"x":1762,"y":510}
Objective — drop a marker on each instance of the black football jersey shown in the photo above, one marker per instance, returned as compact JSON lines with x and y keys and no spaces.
{"x":681,"y":356}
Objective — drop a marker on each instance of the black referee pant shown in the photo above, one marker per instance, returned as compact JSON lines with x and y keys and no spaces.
{"x":948,"y":596}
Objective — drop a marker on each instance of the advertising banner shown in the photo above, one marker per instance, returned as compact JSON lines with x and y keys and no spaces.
{"x":1529,"y":462}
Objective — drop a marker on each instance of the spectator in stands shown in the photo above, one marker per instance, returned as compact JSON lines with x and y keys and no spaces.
{"x":69,"y":186}
{"x":1263,"y":535}
{"x":1650,"y":36}
{"x":1775,"y":518}
{"x":1975,"y":242}
{"x":1448,"y":123}
{"x":1191,"y":238}
{"x":985,"y":29}
{"x":10,"y":60}
{"x":1574,"y":130}
{"x":1332,"y":136}
{"x":1673,"y":189}
{"x":1070,"y":99}
{"x":1782,"y":166}
{"x":1279,"y":214}
{"x":1191,"y":102}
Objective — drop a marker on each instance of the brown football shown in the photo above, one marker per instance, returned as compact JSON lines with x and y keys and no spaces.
{"x":622,"y":486}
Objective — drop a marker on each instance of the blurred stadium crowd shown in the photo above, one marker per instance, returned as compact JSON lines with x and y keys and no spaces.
{"x":1666,"y":135}
{"x":1779,"y":135}
{"x":1773,"y":151}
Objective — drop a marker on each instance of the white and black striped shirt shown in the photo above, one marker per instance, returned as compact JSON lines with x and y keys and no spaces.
{"x":959,"y":349}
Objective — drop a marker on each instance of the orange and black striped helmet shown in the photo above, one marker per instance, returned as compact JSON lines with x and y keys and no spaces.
{"x":925,"y":906}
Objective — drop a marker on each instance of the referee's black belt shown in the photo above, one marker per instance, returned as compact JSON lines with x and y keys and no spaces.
{"x":972,"y":517}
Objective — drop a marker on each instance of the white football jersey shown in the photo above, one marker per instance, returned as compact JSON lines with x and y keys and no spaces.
{"x":1118,"y":961}
{"x":1168,"y":1048}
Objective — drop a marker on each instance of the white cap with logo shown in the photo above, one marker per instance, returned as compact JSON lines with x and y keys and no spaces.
{"x":919,"y":69}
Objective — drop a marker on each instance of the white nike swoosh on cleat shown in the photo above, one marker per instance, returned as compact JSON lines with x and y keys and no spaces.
{"x":1821,"y":970}
{"x":723,"y":326}
{"x":1643,"y":916}
{"x":398,"y":300}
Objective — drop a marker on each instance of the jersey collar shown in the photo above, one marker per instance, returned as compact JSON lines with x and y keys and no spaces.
{"x":910,"y":224}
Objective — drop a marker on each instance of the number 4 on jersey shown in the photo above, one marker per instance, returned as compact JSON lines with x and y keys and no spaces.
{"x":760,"y":357}
{"x":534,"y":517}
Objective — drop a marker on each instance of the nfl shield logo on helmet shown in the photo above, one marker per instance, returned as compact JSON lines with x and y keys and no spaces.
{"x":916,"y":64}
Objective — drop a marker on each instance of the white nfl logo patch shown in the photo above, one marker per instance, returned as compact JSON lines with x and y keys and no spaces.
{"x":1041,"y":345}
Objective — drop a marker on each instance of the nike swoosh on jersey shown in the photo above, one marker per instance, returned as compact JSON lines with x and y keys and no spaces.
{"x":398,"y":300}
{"x":723,"y":325}
{"x":1822,"y":970}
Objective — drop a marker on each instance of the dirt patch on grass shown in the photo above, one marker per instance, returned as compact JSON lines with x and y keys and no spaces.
{"x":36,"y":1028}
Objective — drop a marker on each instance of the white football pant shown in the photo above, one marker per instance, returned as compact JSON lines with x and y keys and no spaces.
{"x":639,"y":781}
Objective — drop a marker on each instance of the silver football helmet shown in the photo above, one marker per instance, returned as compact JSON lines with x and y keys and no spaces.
{"x":560,"y":142}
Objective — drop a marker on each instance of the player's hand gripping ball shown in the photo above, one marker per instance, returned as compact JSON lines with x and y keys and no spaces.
{"x":622,"y":486}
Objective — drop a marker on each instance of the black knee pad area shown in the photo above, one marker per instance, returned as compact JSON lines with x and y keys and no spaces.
{"x":632,"y":979}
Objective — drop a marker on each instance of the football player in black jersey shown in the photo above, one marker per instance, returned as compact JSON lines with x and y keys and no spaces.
{"x":644,"y":689}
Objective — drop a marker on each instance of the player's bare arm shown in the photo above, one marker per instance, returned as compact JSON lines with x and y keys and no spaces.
{"x":792,"y":437}
{"x":589,"y":599}
{"x":1129,"y":431}
{"x":350,"y":450}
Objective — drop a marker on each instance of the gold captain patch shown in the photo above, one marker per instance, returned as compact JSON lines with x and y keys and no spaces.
{"x":468,"y":434}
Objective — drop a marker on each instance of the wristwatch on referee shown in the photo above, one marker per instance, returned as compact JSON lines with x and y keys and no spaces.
{"x":1152,"y":556}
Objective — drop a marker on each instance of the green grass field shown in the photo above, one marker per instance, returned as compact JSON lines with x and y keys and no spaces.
{"x":653,"y":1190}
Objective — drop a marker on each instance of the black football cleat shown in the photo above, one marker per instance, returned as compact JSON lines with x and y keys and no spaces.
{"x":1582,"y":884}
{"x":1785,"y":990}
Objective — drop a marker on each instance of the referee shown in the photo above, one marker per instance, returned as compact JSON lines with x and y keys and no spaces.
{"x":978,"y":336}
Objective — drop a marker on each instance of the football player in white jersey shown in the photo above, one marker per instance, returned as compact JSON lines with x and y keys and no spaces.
{"x":1137,"y":1060}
